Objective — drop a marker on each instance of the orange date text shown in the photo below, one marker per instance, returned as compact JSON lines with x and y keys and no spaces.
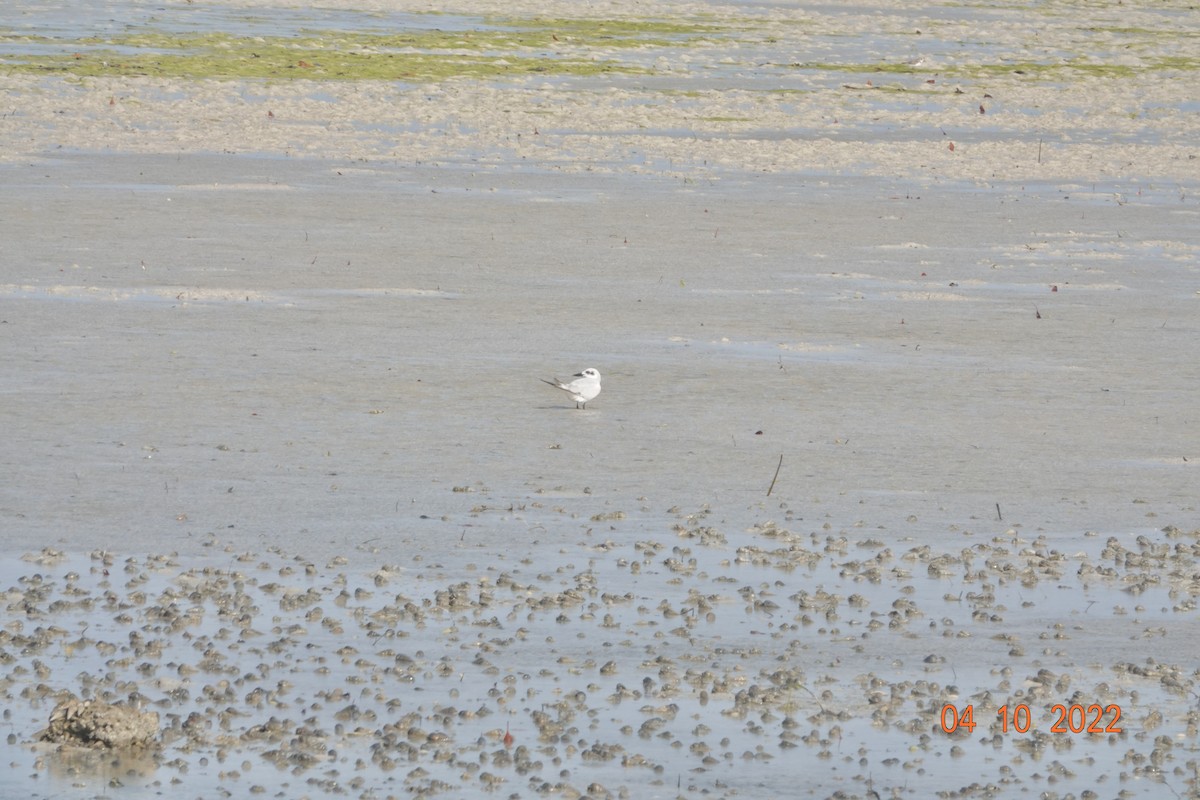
{"x":1072,"y":718}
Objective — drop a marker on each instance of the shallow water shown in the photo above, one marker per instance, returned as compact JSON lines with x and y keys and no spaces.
{"x":100,"y":18}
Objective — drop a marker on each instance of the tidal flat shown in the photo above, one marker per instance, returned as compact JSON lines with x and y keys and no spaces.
{"x":618,"y":666}
{"x":896,"y":312}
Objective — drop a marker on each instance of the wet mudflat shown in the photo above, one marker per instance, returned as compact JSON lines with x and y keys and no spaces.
{"x":325,"y":521}
{"x":620,"y":664}
{"x":898,"y":431}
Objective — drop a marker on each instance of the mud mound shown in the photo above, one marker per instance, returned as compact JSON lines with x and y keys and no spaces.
{"x":92,"y":723}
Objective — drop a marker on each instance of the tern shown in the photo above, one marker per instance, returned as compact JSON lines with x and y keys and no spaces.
{"x":584,"y":387}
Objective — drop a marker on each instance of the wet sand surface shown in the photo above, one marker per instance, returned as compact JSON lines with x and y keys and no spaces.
{"x":878,"y":435}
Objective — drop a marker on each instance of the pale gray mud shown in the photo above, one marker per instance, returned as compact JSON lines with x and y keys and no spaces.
{"x":291,"y":409}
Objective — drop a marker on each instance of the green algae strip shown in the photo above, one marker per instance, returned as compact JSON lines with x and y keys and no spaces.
{"x":1030,"y":69}
{"x":513,"y":47}
{"x":299,"y":64}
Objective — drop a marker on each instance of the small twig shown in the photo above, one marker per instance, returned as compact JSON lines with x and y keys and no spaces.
{"x":998,"y":514}
{"x":772,"y":486}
